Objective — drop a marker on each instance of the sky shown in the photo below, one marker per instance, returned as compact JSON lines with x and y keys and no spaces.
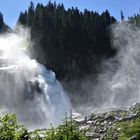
{"x":12,"y":8}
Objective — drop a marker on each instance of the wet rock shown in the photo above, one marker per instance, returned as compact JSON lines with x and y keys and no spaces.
{"x":133,"y":138}
{"x":95,"y":126}
{"x":90,"y":134}
{"x":82,"y":128}
{"x":98,"y":124}
{"x":118,"y":129}
{"x":80,"y":120}
{"x":110,"y":118}
{"x":25,"y":137}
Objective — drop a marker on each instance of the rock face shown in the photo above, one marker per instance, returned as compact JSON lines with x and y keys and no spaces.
{"x":95,"y":126}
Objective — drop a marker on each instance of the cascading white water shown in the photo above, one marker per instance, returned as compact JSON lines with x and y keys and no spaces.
{"x":118,"y":82}
{"x":27,"y":88}
{"x":33,"y":93}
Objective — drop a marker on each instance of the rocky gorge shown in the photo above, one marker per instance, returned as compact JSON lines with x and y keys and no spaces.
{"x":115,"y":124}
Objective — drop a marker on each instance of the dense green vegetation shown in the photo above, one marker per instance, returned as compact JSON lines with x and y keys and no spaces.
{"x":11,"y":130}
{"x":66,"y":131}
{"x":129,"y":129}
{"x":135,"y":20}
{"x":125,"y":130}
{"x":3,"y":27}
{"x":69,"y":42}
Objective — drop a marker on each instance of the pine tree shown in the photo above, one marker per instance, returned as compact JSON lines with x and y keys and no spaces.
{"x":122,"y":16}
{"x":30,"y":14}
{"x":23,"y":18}
{"x":69,"y":42}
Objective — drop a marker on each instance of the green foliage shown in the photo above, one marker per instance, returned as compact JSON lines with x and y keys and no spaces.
{"x":124,"y":130}
{"x":122,"y":15}
{"x":3,"y":26}
{"x":9,"y":128}
{"x":129,"y":129}
{"x":110,"y":134}
{"x":135,"y":20}
{"x":66,"y":131}
{"x":69,"y":42}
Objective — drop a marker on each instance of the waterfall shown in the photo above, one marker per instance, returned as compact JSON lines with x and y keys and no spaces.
{"x":27,"y":88}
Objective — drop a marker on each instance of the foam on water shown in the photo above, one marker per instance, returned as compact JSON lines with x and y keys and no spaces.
{"x":27,"y":88}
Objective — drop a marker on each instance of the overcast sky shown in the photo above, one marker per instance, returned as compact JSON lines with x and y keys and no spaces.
{"x":12,"y":8}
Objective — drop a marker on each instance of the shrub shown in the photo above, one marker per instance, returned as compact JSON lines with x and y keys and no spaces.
{"x":10,"y":129}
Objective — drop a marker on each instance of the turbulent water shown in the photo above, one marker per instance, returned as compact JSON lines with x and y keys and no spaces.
{"x":27,"y":88}
{"x":31,"y":91}
{"x":118,"y":82}
{"x":121,"y":76}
